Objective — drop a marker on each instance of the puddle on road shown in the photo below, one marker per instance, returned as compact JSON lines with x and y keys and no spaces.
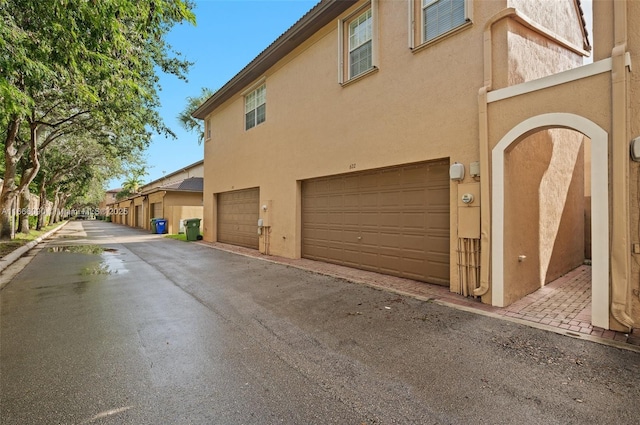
{"x":100,"y":268}
{"x":109,"y":262}
{"x":82,"y":249}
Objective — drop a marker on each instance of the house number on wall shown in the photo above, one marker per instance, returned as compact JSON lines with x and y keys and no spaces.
{"x":352,"y":166}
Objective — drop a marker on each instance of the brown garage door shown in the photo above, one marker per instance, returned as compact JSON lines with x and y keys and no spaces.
{"x":393,"y":221}
{"x":138,"y":216}
{"x":238,"y":213}
{"x":157,"y":210}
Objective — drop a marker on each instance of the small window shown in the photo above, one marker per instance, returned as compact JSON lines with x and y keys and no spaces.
{"x":432,"y":19}
{"x":360,"y":44}
{"x":255,"y":107}
{"x":357,"y":43}
{"x":207,"y":129}
{"x":441,"y":16}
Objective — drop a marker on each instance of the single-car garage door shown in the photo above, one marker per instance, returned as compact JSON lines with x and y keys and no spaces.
{"x":393,"y":220}
{"x":138,"y":216}
{"x":157,"y":210}
{"x":238,"y":213}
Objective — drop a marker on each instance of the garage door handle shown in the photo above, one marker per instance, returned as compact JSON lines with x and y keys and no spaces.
{"x":359,"y":238}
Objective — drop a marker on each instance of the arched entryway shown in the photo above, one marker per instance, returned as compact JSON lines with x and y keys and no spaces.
{"x":599,"y":185}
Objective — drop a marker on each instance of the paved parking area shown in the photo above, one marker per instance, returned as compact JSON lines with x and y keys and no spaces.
{"x":562,"y":306}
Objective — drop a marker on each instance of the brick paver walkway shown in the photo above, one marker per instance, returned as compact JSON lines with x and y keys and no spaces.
{"x":564,"y":304}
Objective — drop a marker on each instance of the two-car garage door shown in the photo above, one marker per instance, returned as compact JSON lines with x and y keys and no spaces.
{"x":393,"y":221}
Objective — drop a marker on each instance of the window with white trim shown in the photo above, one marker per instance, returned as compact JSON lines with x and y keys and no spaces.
{"x":255,"y":107}
{"x":441,"y":16}
{"x":357,"y":43}
{"x":207,"y":129}
{"x":431,"y":19}
{"x":361,"y":44}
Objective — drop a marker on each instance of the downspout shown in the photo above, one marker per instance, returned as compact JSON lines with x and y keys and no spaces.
{"x":620,"y":238}
{"x":485,"y":155}
{"x":485,"y":148}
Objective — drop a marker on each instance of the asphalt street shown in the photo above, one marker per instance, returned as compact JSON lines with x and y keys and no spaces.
{"x":112,"y":325}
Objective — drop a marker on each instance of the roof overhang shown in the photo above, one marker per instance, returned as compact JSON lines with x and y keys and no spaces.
{"x":322,"y":14}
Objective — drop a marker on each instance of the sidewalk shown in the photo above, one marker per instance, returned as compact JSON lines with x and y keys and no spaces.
{"x":563,"y":306}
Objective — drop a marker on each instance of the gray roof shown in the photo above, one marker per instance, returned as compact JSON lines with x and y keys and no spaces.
{"x":192,"y":184}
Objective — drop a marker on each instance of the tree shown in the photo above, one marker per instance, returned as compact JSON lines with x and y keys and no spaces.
{"x":187,"y":121}
{"x":132,"y":184}
{"x":77,"y":158}
{"x":77,"y":66}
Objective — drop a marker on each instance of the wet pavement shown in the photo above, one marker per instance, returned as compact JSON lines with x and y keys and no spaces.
{"x":109,"y":324}
{"x":562,"y":306}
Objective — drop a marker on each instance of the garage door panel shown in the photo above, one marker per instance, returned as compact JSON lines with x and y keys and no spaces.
{"x":368,"y":200}
{"x":238,"y":214}
{"x":401,"y":216}
{"x":414,"y":220}
{"x":415,"y":198}
{"x":437,"y":221}
{"x":351,"y":218}
{"x":438,"y":197}
{"x":390,"y":199}
{"x":369,"y":219}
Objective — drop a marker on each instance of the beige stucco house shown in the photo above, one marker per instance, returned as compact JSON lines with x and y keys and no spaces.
{"x":455,"y":142}
{"x":175,"y":197}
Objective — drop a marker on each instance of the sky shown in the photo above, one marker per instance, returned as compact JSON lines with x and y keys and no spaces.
{"x":228,"y":35}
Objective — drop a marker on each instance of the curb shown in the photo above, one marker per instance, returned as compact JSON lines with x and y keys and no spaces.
{"x":11,"y":258}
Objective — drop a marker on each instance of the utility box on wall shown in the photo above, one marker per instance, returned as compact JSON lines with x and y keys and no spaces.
{"x":469,"y":210}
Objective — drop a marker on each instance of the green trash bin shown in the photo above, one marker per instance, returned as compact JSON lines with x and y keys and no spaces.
{"x":192,"y":228}
{"x":153,"y":224}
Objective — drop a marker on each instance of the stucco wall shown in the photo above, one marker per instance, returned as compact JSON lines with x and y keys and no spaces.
{"x":544,"y":210}
{"x":182,"y":198}
{"x":417,"y":107}
{"x":633,"y":46}
{"x":561,"y":17}
{"x":604,"y":42}
{"x":176,"y":213}
{"x":176,"y":176}
{"x":525,"y":165}
{"x":562,"y":204}
{"x":532,"y":56}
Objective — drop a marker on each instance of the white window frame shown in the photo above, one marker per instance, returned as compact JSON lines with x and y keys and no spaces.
{"x":251,"y":105}
{"x":207,"y":129}
{"x":416,"y":22}
{"x":344,"y":48}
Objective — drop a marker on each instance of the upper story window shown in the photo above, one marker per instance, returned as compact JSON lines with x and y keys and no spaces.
{"x":360,"y":44}
{"x":207,"y":129}
{"x":441,"y":16}
{"x":357,"y":34}
{"x":255,"y":107}
{"x":432,"y":19}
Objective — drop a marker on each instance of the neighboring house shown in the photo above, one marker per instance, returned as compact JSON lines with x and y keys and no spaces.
{"x":176,"y":202}
{"x":346,"y":139}
{"x":174,"y":197}
{"x":109,"y":199}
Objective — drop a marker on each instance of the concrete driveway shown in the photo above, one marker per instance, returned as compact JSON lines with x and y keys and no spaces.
{"x":108,"y":324}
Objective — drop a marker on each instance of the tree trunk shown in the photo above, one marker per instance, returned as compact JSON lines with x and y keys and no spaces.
{"x":8,"y":194}
{"x":8,"y":203}
{"x":42,"y":213}
{"x":54,"y":209}
{"x":23,"y":216}
{"x":63,"y":198}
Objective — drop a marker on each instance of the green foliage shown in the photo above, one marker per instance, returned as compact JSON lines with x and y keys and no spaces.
{"x":185,"y":118}
{"x":82,"y":69}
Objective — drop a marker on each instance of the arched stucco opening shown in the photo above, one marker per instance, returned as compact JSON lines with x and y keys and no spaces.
{"x":599,"y":206}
